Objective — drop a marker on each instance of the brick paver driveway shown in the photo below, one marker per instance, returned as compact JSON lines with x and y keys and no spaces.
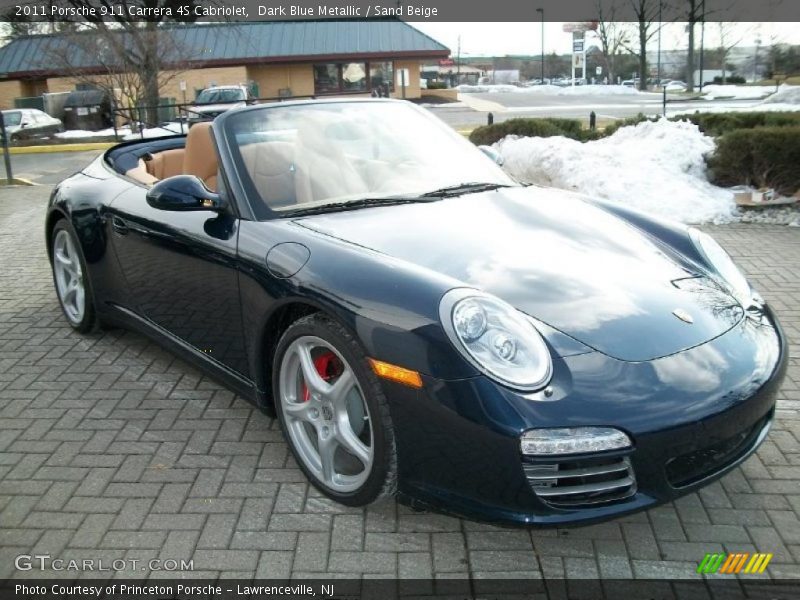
{"x":112,"y":448}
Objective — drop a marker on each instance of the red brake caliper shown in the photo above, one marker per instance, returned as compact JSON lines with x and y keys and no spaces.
{"x":328,"y":367}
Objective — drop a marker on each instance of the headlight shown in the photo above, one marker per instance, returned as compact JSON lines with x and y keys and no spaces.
{"x":717,"y":258}
{"x":496,"y":338}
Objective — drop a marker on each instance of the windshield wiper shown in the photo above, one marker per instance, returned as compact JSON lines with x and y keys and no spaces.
{"x":463,"y":188}
{"x":361,"y":203}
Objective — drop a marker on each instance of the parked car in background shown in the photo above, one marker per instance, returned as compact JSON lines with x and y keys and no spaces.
{"x":674,"y":86}
{"x":215,"y":100}
{"x":29,"y":124}
{"x":631,"y":83}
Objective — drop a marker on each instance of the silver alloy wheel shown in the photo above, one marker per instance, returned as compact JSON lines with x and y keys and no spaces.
{"x":69,"y":277}
{"x":328,"y":421}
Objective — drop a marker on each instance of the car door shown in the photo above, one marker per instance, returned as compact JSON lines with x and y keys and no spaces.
{"x":181,"y":272}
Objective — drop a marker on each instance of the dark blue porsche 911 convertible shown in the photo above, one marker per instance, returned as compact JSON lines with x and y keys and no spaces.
{"x":421,"y":324}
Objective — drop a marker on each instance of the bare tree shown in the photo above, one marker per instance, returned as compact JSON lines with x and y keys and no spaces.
{"x":614,"y":36}
{"x":730,"y":36}
{"x":130,"y":65}
{"x":132,"y":52}
{"x":646,"y":12}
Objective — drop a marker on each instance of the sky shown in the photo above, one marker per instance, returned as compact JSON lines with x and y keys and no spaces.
{"x":500,"y":39}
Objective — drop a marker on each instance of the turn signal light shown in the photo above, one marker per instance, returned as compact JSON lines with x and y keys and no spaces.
{"x":573,"y":440}
{"x":395,"y":373}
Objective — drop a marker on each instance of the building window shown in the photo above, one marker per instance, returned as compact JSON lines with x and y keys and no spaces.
{"x":339,"y":78}
{"x":354,"y":77}
{"x":381,"y":74}
{"x":326,"y":78}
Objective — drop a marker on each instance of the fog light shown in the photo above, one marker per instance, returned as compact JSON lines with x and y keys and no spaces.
{"x":573,"y":440}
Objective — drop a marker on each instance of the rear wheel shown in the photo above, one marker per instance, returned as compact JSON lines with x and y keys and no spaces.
{"x":70,"y":278}
{"x":333,"y":412}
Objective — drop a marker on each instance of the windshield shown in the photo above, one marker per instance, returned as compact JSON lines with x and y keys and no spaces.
{"x":12,"y":117}
{"x":307,"y":155}
{"x":215,"y":96}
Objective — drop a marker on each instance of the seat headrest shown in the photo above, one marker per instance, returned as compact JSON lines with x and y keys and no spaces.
{"x":200,"y":158}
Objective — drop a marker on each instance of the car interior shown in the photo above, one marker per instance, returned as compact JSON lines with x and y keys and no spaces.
{"x":197,"y":157}
{"x":318,"y":160}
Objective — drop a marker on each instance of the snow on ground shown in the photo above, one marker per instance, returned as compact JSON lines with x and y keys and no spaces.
{"x":740,"y":92}
{"x":657,"y":167}
{"x":786,"y":94}
{"x":81,"y":134}
{"x":123,"y":132}
{"x":160,"y":131}
{"x":553,"y":90}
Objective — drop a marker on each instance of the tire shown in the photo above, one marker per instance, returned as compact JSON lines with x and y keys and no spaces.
{"x":69,"y":269}
{"x":324,"y":422}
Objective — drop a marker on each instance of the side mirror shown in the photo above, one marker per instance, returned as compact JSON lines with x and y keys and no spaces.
{"x":183,"y":192}
{"x":24,"y":124}
{"x":493,"y":154}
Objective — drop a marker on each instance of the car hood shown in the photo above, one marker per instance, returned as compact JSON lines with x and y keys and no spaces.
{"x":557,"y":258}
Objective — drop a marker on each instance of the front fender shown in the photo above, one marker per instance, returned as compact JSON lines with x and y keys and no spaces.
{"x":391,"y":306}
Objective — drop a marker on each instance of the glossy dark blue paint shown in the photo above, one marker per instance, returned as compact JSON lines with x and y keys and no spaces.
{"x":600,"y":281}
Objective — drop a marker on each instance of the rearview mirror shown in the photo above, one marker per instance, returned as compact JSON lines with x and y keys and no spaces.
{"x":183,"y":192}
{"x":493,"y":154}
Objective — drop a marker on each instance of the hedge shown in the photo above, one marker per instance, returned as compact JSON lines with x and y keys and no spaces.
{"x":489,"y":134}
{"x":729,"y":80}
{"x":719,"y":123}
{"x":761,"y":157}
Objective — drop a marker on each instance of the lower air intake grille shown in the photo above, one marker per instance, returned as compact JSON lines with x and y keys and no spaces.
{"x":572,"y":483}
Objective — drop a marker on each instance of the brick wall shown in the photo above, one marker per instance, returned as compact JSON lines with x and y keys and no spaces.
{"x":202,"y":78}
{"x":8,"y":91}
{"x":271,"y":79}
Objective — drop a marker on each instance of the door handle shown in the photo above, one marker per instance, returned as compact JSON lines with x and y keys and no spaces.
{"x":119,"y":225}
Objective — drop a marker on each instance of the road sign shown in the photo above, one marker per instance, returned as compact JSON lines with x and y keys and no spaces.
{"x":577,"y":45}
{"x":579,"y":27}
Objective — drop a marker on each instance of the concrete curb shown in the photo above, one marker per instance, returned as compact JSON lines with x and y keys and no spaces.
{"x":15,"y":181}
{"x":83,"y":147}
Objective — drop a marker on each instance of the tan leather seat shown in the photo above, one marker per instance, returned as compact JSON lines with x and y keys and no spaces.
{"x":271,"y":168}
{"x":166,"y":163}
{"x":323,"y":170}
{"x":200,"y":157}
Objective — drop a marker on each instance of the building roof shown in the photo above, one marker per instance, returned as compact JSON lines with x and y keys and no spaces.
{"x":228,"y":44}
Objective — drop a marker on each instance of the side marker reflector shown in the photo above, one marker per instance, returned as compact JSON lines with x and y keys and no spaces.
{"x":395,"y":373}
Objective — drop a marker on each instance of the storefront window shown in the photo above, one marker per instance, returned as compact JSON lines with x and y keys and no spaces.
{"x":326,"y":78}
{"x":354,"y":77}
{"x":381,"y":74}
{"x":338,"y":78}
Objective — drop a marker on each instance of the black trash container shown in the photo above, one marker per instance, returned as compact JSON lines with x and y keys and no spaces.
{"x":89,"y":110}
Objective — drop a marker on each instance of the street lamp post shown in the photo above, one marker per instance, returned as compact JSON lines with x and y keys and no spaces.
{"x":541,"y":13}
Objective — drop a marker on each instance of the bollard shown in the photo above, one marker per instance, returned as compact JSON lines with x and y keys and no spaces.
{"x":664,"y":101}
{"x":6,"y":153}
{"x":592,"y":120}
{"x":489,"y":119}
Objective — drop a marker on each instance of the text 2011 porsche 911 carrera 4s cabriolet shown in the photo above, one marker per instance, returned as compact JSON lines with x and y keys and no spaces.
{"x":422,"y":324}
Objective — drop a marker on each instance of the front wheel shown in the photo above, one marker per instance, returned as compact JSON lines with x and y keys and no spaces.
{"x":333,"y":412}
{"x":71,"y":279}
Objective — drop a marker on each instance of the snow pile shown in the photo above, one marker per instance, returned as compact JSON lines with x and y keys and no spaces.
{"x":485,"y":89}
{"x":599,"y":90}
{"x":552,"y":90}
{"x":786,"y":94}
{"x":739,"y":92}
{"x":657,"y":167}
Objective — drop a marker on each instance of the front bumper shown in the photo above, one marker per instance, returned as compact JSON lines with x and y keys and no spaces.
{"x":692,"y":416}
